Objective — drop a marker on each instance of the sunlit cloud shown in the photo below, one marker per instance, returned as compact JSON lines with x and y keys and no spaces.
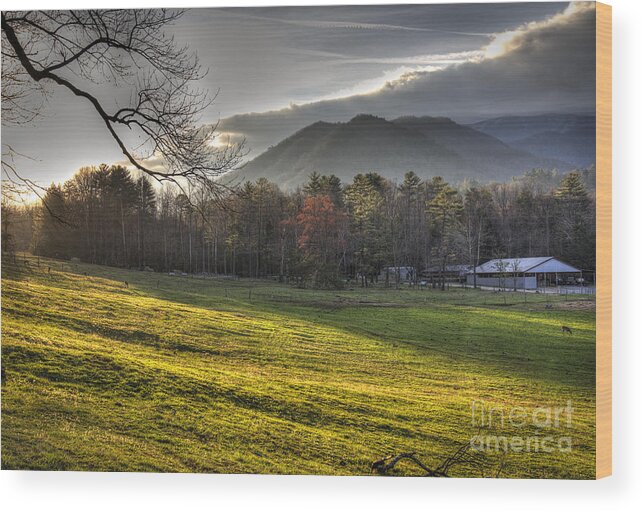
{"x":225,"y":139}
{"x":505,"y":42}
{"x":406,"y":66}
{"x":156,"y":163}
{"x":539,"y":67}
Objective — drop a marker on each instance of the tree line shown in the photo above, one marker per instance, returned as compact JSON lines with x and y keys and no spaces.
{"x":321,"y":234}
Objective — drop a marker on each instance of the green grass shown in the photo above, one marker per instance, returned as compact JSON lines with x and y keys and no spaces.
{"x":192,"y":375}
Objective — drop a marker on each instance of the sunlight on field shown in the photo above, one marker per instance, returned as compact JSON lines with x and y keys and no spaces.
{"x":212,"y":375}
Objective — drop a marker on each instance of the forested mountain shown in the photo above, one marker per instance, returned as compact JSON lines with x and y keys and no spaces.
{"x":323,"y":233}
{"x":430,"y":146}
{"x":571,"y":138}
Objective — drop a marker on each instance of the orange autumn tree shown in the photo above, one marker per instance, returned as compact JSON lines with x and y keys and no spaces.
{"x":321,"y":239}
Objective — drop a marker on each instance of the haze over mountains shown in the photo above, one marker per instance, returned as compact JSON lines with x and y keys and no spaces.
{"x":571,"y":138}
{"x":493,"y":150}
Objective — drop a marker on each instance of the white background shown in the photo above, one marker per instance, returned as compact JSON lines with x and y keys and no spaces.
{"x":624,"y":490}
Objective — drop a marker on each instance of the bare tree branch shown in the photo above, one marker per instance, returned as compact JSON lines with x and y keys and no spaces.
{"x":15,"y":187}
{"x":68,"y":49}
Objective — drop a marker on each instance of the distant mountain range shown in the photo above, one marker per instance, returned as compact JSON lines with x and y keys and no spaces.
{"x":429,"y":146}
{"x":570,"y":138}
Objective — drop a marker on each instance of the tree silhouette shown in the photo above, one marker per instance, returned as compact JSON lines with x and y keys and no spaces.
{"x":80,"y":50}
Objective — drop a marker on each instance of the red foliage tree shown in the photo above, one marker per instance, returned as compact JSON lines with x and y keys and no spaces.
{"x":321,"y":235}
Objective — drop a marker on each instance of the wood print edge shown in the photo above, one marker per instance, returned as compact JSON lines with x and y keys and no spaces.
{"x":603,"y":240}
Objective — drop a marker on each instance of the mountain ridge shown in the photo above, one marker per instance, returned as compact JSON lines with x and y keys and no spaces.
{"x":427,"y":145}
{"x":568,"y":137}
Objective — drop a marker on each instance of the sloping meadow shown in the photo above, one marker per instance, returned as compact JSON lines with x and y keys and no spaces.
{"x":178,"y":374}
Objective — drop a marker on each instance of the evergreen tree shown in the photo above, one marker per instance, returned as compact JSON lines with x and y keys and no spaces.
{"x":53,"y":234}
{"x":576,"y":222}
{"x":443,"y":209}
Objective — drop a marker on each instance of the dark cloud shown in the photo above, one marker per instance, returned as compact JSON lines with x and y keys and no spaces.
{"x":540,"y":67}
{"x":262,"y":59}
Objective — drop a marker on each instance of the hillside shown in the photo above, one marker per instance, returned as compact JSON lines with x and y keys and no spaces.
{"x":178,"y":374}
{"x":571,"y":138}
{"x":427,"y":145}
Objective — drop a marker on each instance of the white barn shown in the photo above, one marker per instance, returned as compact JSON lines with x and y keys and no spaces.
{"x":524,"y":273}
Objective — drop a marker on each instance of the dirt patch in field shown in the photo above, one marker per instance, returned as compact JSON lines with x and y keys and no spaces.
{"x":344,"y":304}
{"x":341,"y":303}
{"x":584,"y":305}
{"x":380,"y":304}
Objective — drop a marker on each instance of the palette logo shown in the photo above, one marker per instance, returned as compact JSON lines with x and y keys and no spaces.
{"x":549,"y":428}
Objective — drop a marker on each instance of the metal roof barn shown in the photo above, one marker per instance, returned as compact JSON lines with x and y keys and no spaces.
{"x":524,"y":273}
{"x":526,"y":265}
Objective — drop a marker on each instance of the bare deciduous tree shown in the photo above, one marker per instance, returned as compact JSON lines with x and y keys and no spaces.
{"x":84,"y":51}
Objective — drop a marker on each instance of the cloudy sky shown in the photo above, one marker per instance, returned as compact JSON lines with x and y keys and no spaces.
{"x":279,"y":69}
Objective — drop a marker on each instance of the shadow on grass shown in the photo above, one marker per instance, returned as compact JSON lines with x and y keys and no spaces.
{"x":466,"y":326}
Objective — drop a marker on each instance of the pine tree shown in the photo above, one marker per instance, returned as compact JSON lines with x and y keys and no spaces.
{"x":576,"y":222}
{"x":54,"y":227}
{"x":572,"y":189}
{"x":314,"y":185}
{"x":443,"y":210}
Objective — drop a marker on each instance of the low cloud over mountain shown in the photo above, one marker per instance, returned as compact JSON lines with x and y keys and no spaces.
{"x":541,"y":67}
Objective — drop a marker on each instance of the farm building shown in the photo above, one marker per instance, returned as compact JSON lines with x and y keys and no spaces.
{"x":452,"y":272}
{"x":525,"y":273}
{"x":397,"y":274}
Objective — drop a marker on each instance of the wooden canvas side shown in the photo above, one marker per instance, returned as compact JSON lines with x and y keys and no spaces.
{"x":603,"y":240}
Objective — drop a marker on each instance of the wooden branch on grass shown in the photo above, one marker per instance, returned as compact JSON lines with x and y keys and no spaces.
{"x":461,"y":456}
{"x":385,"y":464}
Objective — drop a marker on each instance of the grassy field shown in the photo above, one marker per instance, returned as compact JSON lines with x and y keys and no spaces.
{"x":185,"y":374}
